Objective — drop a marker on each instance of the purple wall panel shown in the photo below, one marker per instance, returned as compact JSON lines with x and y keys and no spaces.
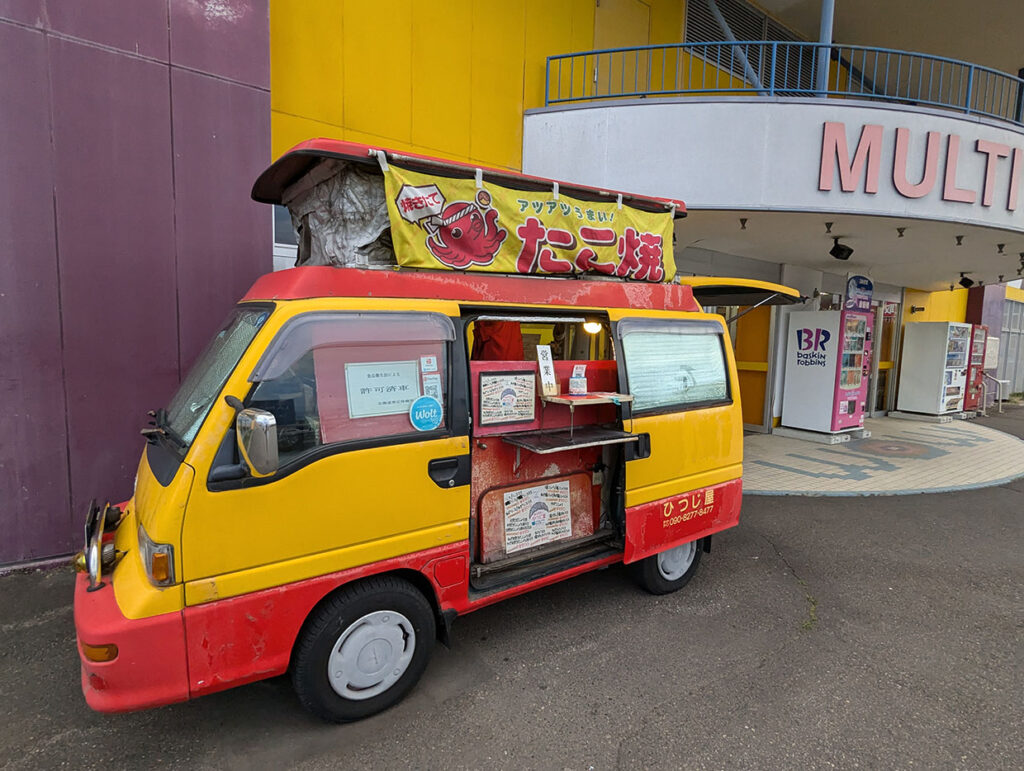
{"x":230,"y":38}
{"x":992,"y":317}
{"x":985,"y":306}
{"x":992,"y":308}
{"x":116,"y":242}
{"x":138,"y":26}
{"x":34,"y":516}
{"x":25,"y":11}
{"x":223,"y":238}
{"x":155,"y":235}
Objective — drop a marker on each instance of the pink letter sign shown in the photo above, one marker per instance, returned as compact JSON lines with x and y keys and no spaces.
{"x":834,"y":147}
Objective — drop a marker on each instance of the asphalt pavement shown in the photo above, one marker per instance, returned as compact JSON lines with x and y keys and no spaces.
{"x":854,"y":632}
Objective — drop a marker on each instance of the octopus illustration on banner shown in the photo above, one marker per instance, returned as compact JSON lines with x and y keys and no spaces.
{"x":445,"y":223}
{"x":466,"y":233}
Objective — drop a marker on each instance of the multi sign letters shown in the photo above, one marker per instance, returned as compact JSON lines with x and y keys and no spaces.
{"x":865,"y":166}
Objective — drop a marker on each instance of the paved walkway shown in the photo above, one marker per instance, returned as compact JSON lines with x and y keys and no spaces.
{"x":900,"y":458}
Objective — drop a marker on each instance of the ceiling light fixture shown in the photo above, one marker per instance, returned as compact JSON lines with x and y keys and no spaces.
{"x":959,"y":240}
{"x":828,"y":227}
{"x":965,"y":282}
{"x":899,"y":232}
{"x":1000,"y":247}
{"x":840,"y":251}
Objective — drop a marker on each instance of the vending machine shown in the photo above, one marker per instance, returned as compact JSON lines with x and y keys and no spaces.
{"x":933,"y":373}
{"x":975,"y":367}
{"x":828,"y":359}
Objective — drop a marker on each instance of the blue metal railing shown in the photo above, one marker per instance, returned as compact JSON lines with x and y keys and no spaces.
{"x":775,"y":68}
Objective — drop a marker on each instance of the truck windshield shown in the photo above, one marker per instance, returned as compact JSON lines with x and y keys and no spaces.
{"x":188,"y":408}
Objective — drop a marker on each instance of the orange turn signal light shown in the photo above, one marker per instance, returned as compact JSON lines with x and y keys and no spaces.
{"x":100,"y":652}
{"x":161,"y":567}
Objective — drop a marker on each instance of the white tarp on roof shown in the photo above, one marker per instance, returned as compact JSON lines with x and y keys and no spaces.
{"x":341,"y":217}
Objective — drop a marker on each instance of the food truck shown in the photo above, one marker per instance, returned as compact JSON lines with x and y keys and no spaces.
{"x":475,"y":384}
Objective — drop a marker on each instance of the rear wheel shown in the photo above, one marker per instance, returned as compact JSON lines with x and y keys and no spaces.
{"x":363,"y":650}
{"x":669,"y":570}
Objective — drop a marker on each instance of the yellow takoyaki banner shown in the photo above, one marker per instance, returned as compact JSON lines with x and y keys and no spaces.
{"x":438,"y":222}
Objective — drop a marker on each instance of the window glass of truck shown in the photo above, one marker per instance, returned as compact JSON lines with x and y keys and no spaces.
{"x":190,"y":405}
{"x":333,"y":377}
{"x":673,"y":364}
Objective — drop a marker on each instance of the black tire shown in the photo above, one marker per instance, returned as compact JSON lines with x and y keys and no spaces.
{"x":341,"y":621}
{"x":650,"y":575}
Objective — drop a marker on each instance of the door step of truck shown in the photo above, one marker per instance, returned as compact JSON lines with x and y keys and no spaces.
{"x":486,"y":579}
{"x":539,"y":553}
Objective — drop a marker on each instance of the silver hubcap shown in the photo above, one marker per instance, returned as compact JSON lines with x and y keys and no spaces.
{"x":674,"y":563}
{"x":371,"y":655}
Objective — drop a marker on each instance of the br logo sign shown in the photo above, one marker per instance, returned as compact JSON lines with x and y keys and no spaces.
{"x":810,"y":346}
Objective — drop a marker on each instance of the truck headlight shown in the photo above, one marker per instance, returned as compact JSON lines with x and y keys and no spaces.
{"x":94,"y":561}
{"x":157,"y":558}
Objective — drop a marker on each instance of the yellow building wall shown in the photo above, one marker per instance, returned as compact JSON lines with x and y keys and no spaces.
{"x":448,"y":79}
{"x":938,"y":306}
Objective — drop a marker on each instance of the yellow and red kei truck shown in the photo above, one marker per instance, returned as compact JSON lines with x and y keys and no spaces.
{"x":476,"y":383}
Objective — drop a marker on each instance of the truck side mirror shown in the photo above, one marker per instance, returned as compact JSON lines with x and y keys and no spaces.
{"x":257,"y":440}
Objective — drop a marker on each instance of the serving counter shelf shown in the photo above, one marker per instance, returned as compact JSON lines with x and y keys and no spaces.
{"x":572,"y":401}
{"x":547,"y":441}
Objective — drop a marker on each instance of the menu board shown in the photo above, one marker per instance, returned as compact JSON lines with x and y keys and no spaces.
{"x":507,"y":397}
{"x":668,"y":369}
{"x":537,"y":515}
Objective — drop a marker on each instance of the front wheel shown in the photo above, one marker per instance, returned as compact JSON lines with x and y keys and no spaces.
{"x":363,"y":650}
{"x":669,"y":570}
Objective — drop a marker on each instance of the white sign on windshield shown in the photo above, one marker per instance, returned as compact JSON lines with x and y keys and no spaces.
{"x":381,"y":387}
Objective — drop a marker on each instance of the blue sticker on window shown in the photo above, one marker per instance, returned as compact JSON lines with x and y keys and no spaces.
{"x":425,"y":413}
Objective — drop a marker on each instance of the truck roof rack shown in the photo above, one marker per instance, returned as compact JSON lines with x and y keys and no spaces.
{"x":295,"y":164}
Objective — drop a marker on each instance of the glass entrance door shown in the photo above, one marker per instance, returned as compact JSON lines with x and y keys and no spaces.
{"x":882,"y":388}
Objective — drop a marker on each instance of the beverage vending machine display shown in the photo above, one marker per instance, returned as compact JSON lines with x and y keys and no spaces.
{"x":976,"y":367}
{"x":933,"y":372}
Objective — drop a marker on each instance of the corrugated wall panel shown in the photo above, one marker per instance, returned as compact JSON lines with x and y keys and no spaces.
{"x":148,"y":252}
{"x":34,"y":517}
{"x":215,"y":156}
{"x":115,"y":230}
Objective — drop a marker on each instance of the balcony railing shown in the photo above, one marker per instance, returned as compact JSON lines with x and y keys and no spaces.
{"x":770,"y":68}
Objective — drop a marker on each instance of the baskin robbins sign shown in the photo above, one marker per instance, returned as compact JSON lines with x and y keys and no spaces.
{"x":811,"y":347}
{"x":462,"y":224}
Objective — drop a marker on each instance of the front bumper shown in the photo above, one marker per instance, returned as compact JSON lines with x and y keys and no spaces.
{"x":150,"y":668}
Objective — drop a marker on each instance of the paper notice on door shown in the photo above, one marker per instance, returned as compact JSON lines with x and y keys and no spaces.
{"x":537,"y":515}
{"x":380,"y":388}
